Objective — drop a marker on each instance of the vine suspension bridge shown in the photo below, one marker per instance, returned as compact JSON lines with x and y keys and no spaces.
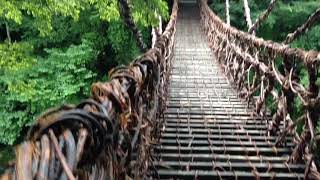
{"x":191,"y":107}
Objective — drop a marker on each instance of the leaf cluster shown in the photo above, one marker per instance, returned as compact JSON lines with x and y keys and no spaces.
{"x":62,"y":77}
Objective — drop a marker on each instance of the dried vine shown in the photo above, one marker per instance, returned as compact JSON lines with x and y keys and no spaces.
{"x":312,"y":20}
{"x":96,"y":139}
{"x":253,"y":65}
{"x":262,"y":17}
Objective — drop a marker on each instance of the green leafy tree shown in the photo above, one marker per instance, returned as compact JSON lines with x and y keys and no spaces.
{"x":62,"y":77}
{"x":41,"y":11}
{"x":275,"y":27}
{"x":54,"y":50}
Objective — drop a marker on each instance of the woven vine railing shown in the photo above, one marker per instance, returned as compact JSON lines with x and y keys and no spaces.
{"x":97,"y":138}
{"x":265,"y":72}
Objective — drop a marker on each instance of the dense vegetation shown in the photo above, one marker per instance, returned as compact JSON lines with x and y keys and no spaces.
{"x":285,"y":18}
{"x":52,"y":51}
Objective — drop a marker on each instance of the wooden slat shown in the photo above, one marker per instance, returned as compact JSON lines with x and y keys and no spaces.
{"x":208,"y":131}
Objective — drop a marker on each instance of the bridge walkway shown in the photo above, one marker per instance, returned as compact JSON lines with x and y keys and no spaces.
{"x":209,"y":132}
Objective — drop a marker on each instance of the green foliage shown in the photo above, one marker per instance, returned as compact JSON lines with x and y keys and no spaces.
{"x":108,"y":10}
{"x":285,"y":17}
{"x":122,"y":42}
{"x":66,"y":32}
{"x":14,"y":57}
{"x":237,"y":18}
{"x":10,"y":11}
{"x":41,"y":11}
{"x":60,"y":78}
{"x":309,"y":41}
{"x":6,"y":154}
{"x":295,"y":13}
{"x":58,"y":49}
{"x":144,"y":11}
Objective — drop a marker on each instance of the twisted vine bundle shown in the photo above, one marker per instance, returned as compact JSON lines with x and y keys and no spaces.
{"x":271,"y":70}
{"x":96,"y":139}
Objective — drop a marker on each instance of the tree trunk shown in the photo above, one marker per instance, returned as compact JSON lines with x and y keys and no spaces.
{"x":312,"y":20}
{"x":263,"y":16}
{"x":8,"y":32}
{"x":125,"y":12}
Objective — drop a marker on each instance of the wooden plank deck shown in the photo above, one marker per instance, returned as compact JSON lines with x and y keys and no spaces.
{"x":209,"y":132}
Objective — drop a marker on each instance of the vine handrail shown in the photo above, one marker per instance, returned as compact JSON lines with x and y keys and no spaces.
{"x":271,"y":70}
